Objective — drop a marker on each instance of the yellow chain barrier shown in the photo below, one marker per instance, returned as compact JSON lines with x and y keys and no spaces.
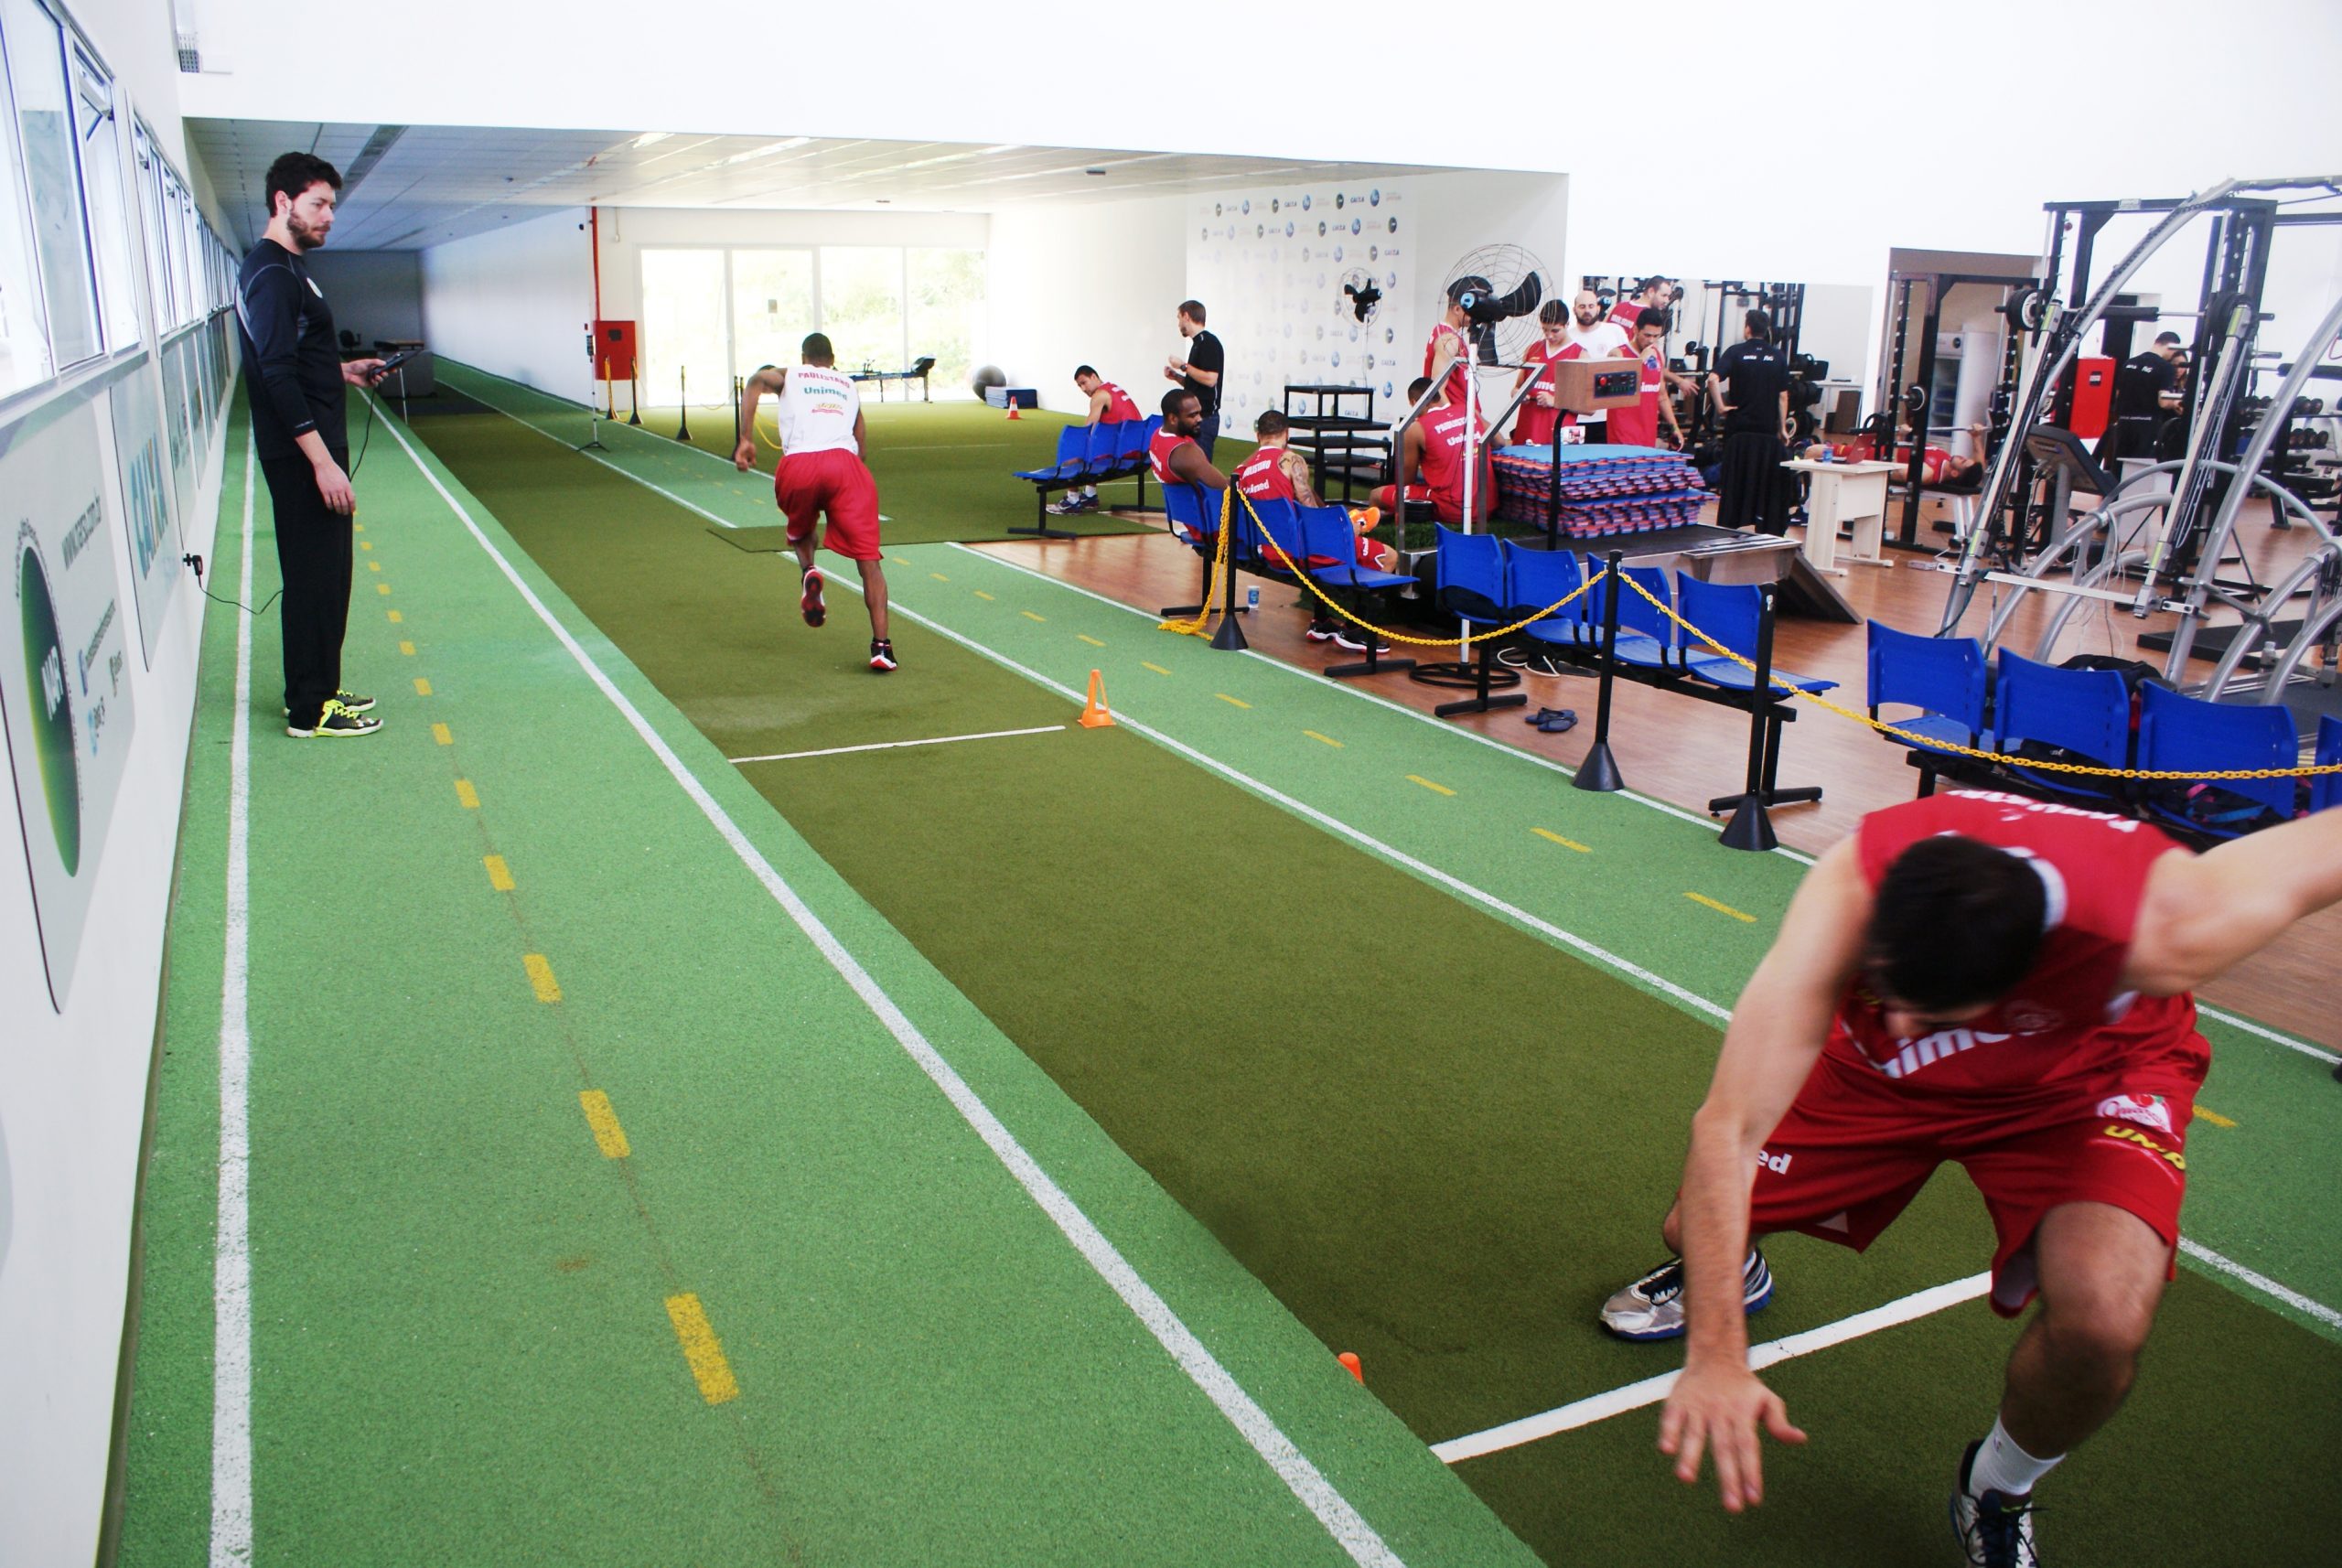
{"x":1211,"y":579}
{"x":1227,"y":507}
{"x":1927,"y":743}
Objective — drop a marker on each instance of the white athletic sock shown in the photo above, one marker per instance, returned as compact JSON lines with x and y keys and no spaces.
{"x":2002,"y":1466}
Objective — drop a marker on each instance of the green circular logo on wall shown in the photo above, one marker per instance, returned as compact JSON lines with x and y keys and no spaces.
{"x":52,"y":703}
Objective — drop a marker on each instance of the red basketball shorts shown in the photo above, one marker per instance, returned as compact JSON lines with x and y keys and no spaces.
{"x":1855,"y":1148}
{"x":835,"y":482}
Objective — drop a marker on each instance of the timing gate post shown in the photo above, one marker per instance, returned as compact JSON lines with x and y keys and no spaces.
{"x":1751,"y":828}
{"x":1600,"y":769}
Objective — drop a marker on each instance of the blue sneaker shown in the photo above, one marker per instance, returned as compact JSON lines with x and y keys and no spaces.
{"x":1652,"y":1307}
{"x":1995,"y":1531}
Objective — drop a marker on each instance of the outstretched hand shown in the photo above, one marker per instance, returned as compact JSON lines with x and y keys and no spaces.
{"x":1718,"y":1410}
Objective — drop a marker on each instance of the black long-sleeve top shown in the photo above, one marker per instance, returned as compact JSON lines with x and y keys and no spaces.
{"x":291,"y":361}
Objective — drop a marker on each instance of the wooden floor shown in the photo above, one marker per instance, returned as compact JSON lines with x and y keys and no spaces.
{"x":1684,"y":751}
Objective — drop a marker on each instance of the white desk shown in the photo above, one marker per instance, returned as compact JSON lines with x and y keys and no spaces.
{"x":1844,"y":494}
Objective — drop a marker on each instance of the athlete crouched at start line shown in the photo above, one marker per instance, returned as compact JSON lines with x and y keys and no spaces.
{"x":821,"y":472}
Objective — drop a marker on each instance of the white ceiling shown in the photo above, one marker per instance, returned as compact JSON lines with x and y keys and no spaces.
{"x":427,"y":184}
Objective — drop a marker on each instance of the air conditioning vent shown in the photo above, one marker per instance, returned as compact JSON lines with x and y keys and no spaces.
{"x":191,"y":62}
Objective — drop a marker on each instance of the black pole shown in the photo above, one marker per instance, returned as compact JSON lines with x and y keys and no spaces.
{"x":1600,"y":769}
{"x":633,"y":398}
{"x":736,"y":431}
{"x":1751,"y":828}
{"x":1554,"y":480}
{"x":1229,"y":637}
{"x":682,"y":406}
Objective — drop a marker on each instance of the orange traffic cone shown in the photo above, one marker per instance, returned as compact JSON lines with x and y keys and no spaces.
{"x":1348,"y":1359}
{"x":1012,"y":408}
{"x":1093,"y":713}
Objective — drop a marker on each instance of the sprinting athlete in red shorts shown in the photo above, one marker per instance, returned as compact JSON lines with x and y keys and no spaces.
{"x":1999,"y":982}
{"x":822,"y":471}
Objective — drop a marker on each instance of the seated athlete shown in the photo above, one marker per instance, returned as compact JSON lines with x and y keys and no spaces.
{"x":1533,"y":426}
{"x":1177,"y":460}
{"x":821,"y":472}
{"x":1275,"y":472}
{"x":2003,"y":982}
{"x":1430,"y":462}
{"x":1109,"y":404}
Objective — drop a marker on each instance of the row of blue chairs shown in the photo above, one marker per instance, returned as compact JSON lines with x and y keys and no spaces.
{"x":2089,"y":713}
{"x":1321,"y":540}
{"x":1091,"y":455}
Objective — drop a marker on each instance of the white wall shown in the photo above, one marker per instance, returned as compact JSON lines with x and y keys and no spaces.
{"x":1099,"y":285}
{"x":375,"y":293}
{"x":516,"y":301}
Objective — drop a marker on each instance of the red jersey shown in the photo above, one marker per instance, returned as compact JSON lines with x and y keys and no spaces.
{"x":1119,"y":409}
{"x":1457,"y":372}
{"x":1442,"y":463}
{"x":1535,"y":426}
{"x":1638,"y":425}
{"x":1263,"y":477}
{"x":1626,"y":313}
{"x":1158,"y":454}
{"x":2067,"y":1023}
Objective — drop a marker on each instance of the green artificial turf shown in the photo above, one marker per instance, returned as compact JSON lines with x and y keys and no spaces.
{"x":1438,"y":1139}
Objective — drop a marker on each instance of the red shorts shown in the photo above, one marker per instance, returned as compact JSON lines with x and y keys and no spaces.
{"x":809,"y":484}
{"x":1855,"y":1148}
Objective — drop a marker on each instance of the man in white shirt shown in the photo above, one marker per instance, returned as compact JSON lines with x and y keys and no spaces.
{"x":821,"y":472}
{"x":1596,"y":339}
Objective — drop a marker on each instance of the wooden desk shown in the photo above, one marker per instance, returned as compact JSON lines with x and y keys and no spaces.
{"x":1844,"y":493}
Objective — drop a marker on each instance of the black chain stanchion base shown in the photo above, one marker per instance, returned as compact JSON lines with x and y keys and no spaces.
{"x":1462,"y":674}
{"x":1751,"y":826}
{"x":1599,"y":771}
{"x":1229,"y":637}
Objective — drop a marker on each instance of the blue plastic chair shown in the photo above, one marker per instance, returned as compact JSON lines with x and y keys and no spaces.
{"x":1543,"y":577}
{"x":1131,"y":437}
{"x":2177,"y":732}
{"x":1945,"y":678}
{"x":1099,"y":453}
{"x":1194,"y":510}
{"x":1073,"y":447}
{"x":1646,"y":637}
{"x":1330,"y":544}
{"x":1734,"y":614}
{"x":2086,"y":712}
{"x":2326,"y":788}
{"x":1469,"y":579}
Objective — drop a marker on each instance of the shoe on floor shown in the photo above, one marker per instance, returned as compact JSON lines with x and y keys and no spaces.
{"x":881,"y":655}
{"x":810,"y":601}
{"x":351,"y":699}
{"x":1994,"y":1531}
{"x":1066,"y":508}
{"x":1355,"y":639}
{"x":1652,"y":1307}
{"x":336,"y":720}
{"x":1561,"y":721}
{"x":1320,"y":631}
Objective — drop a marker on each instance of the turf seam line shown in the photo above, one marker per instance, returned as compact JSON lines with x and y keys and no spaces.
{"x":1340,"y":1518}
{"x":1651,"y":1390}
{"x":613,"y":468}
{"x":2262,"y":1283}
{"x":895,"y":745}
{"x":1361,"y":693}
{"x":231,"y":1287}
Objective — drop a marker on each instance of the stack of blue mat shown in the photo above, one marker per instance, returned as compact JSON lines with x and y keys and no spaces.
{"x":1604,"y":490}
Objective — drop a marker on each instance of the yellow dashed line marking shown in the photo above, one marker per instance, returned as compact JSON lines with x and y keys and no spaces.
{"x":395,"y":616}
{"x":407,"y":648}
{"x":938,"y":576}
{"x":982,"y":595}
{"x":357,"y":528}
{"x":365,"y":543}
{"x":710,"y":1370}
{"x":2214,"y":1117}
{"x":381,"y":588}
{"x":1090,"y":639}
{"x":1226,"y":698}
{"x":467,"y":795}
{"x":1702,"y":900}
{"x":373,"y":565}
{"x":1329,"y":739}
{"x":1029,"y":615}
{"x":540,"y":977}
{"x":422,"y":687}
{"x":898,"y":560}
{"x":1418,"y":779}
{"x":608,"y":1136}
{"x":1565,"y":843}
{"x":439,"y":733}
{"x":499,"y":876}
{"x":1157,"y":668}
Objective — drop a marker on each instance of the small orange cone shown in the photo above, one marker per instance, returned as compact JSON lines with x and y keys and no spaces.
{"x":1348,"y":1359}
{"x":1093,"y":713}
{"x":1012,"y":408}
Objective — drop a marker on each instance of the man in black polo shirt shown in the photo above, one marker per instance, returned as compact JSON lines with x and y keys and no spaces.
{"x":2146,"y":393}
{"x":1751,"y":388}
{"x":296,"y":380}
{"x":1202,"y":371}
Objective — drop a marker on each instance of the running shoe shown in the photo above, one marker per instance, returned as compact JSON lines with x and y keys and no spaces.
{"x":810,"y":601}
{"x":1355,"y":639}
{"x":1320,"y":631}
{"x":1067,"y":508}
{"x":881,"y":655}
{"x":336,"y":719}
{"x":351,"y":699}
{"x":1652,"y":1307}
{"x":1994,"y":1531}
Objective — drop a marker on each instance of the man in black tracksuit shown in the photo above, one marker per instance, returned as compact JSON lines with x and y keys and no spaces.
{"x":1751,"y":387}
{"x":296,"y":380}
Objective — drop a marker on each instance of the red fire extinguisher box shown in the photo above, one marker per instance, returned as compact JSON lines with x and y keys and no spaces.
{"x":612,"y":350}
{"x":2093,"y":397}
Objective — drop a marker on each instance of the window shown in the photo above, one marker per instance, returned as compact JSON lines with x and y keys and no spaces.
{"x":36,"y":48}
{"x":176,"y":225}
{"x":772,"y":306}
{"x":683,"y":336}
{"x":861,"y":305}
{"x":150,"y":222}
{"x":102,"y":193}
{"x":24,"y":341}
{"x":947,"y":307}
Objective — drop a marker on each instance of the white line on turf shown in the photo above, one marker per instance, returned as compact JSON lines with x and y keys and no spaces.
{"x":1651,"y":1390}
{"x":231,"y":1280}
{"x":2249,"y":1027}
{"x":613,"y":468}
{"x":2262,"y":1283}
{"x":895,"y":745}
{"x":1455,"y":884}
{"x":1352,"y":689}
{"x":1334,"y":1511}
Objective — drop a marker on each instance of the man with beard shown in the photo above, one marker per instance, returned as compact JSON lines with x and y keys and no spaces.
{"x":302,"y":438}
{"x":1594,"y":339}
